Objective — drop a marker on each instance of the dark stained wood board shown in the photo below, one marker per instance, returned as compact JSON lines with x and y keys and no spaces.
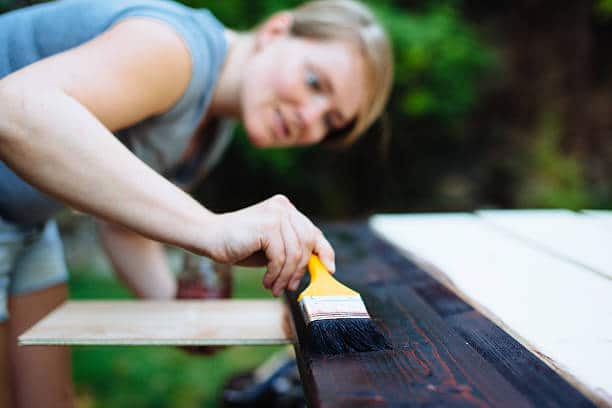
{"x":445,"y":353}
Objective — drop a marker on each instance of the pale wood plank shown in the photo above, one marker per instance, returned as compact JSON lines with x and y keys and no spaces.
{"x":175,"y":322}
{"x":564,"y":233}
{"x":554,"y":307}
{"x":602,"y":218}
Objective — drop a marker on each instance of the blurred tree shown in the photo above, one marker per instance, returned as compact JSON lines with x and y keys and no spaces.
{"x":495,"y":104}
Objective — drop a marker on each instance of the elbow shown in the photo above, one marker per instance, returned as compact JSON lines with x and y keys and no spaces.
{"x":11,"y":122}
{"x":22,"y":107}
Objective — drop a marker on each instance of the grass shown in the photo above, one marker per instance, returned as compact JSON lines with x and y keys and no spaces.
{"x":136,"y":376}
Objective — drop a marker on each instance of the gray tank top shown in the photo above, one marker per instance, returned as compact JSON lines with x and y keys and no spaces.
{"x":30,"y":34}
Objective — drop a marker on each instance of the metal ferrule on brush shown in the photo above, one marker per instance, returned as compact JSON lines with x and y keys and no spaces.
{"x":332,"y":307}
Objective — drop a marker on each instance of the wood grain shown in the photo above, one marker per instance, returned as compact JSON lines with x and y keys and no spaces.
{"x":515,"y":363}
{"x":175,"y":322}
{"x":601,"y":218}
{"x":431,"y":363}
{"x":565,"y":234}
{"x":555,"y":308}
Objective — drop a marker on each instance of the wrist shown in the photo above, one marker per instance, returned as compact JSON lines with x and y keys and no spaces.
{"x":205,"y":235}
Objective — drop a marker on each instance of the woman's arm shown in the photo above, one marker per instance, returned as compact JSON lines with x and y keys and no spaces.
{"x":139,"y":262}
{"x":56,"y":118}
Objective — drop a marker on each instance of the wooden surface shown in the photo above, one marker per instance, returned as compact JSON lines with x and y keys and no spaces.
{"x":445,"y":353}
{"x":552,"y":298}
{"x":602,"y":218}
{"x":177,"y":322}
{"x":564,"y":234}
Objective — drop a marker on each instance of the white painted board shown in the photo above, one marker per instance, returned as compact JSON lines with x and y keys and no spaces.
{"x":556,"y":308}
{"x":563,"y":233}
{"x":602,"y":218}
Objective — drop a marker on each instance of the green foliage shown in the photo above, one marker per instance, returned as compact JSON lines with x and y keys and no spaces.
{"x":439,"y":62}
{"x":604,"y":8}
{"x":555,"y":179}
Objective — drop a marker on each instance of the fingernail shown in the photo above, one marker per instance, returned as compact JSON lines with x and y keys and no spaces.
{"x":294,"y":285}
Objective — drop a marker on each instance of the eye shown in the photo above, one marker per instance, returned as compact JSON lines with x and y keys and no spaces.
{"x":313,"y":81}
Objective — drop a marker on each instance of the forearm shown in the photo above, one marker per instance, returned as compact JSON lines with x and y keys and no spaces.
{"x":57,"y":145}
{"x":139,"y":262}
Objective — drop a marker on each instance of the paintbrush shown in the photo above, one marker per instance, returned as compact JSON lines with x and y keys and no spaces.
{"x":336,"y":318}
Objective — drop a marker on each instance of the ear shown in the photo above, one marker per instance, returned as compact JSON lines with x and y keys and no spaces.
{"x":276,"y":26}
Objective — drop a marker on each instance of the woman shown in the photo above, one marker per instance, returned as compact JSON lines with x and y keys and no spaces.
{"x":165,"y":79}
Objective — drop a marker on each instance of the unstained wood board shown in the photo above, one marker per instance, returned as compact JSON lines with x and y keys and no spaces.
{"x":174,"y":322}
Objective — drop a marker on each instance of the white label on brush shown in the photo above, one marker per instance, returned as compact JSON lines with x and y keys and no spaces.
{"x":332,"y":307}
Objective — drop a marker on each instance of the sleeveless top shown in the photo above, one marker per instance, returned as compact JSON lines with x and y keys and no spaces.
{"x":30,"y":34}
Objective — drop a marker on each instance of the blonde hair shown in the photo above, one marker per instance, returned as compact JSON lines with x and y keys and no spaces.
{"x":348,"y":20}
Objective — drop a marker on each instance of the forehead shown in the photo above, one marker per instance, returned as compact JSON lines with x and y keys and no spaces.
{"x":344,"y":67}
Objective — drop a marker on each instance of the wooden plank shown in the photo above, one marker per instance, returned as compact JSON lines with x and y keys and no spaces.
{"x":518,"y":365}
{"x":563,"y":233}
{"x":360,"y":252}
{"x":602,"y":218}
{"x":174,"y":322}
{"x":551,"y":306}
{"x":430,"y":364}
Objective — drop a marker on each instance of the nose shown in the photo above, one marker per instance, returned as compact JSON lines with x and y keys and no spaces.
{"x":313,"y":112}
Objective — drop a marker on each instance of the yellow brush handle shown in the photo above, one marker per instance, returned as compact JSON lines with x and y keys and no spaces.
{"x":322,"y":283}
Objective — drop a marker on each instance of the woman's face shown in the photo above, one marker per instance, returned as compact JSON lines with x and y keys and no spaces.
{"x":296,"y":90}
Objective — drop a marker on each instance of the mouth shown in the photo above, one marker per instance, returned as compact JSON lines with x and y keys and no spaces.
{"x":281,"y":126}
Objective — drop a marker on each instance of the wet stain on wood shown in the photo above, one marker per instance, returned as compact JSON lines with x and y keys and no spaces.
{"x":444,"y":352}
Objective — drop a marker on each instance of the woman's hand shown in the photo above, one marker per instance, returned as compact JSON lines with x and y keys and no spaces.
{"x":271,"y":233}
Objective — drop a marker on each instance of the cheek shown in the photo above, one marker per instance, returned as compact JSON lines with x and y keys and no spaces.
{"x":285,"y":84}
{"x":286,"y":77}
{"x":262,"y":86}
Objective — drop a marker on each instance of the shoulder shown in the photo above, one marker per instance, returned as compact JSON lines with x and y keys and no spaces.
{"x":200,"y":34}
{"x":145,"y":59}
{"x":137,"y":68}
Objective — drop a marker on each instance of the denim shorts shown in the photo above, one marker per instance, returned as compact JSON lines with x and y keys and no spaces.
{"x":31,"y":259}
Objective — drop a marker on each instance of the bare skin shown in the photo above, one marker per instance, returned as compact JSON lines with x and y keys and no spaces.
{"x":5,"y":386}
{"x":52,"y":112}
{"x":67,"y":106}
{"x":139,"y":262}
{"x":40,"y":376}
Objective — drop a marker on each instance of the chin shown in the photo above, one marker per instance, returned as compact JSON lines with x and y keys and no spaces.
{"x":257,"y":131}
{"x":257,"y":138}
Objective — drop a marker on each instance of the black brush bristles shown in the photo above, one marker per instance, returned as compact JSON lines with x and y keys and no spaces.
{"x":339,"y":336}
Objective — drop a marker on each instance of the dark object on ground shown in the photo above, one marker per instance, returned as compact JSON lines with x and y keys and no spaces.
{"x":280,"y":388}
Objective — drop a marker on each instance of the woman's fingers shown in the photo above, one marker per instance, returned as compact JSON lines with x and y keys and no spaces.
{"x":292,"y":256}
{"x":326,"y":253}
{"x":274,"y":248}
{"x":256,"y":259}
{"x":276,"y":229}
{"x":300,"y":222}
